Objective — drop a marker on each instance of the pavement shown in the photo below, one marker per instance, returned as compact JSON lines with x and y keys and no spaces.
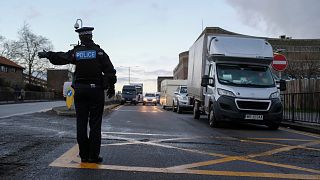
{"x":64,"y":111}
{"x":307,"y":127}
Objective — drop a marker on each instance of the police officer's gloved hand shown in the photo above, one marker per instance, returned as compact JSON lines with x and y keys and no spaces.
{"x":43,"y":54}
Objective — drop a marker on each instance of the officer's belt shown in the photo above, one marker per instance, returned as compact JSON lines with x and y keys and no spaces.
{"x":77,"y":85}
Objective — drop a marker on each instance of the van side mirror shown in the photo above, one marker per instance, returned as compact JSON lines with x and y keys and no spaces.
{"x":176,"y":93}
{"x":282,"y":85}
{"x":206,"y":80}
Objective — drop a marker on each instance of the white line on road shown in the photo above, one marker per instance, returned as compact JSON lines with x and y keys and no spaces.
{"x":24,"y":113}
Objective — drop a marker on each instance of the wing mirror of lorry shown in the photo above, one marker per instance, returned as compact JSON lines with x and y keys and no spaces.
{"x":206,"y":80}
{"x":282,"y":85}
{"x":176,"y":93}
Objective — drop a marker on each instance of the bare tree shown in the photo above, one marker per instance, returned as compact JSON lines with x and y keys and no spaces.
{"x":4,"y":47}
{"x":311,"y":67}
{"x":307,"y":67}
{"x":24,"y":51}
{"x":294,"y":69}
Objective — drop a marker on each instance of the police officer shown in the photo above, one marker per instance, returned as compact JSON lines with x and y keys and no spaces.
{"x":94,"y":72}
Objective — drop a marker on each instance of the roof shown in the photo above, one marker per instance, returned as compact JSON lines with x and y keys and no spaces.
{"x":216,"y":30}
{"x":7,"y":62}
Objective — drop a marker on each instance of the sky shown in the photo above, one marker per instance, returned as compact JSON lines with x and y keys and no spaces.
{"x":148,"y":35}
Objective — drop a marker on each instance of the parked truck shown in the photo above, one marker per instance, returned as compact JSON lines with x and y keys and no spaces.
{"x":229,"y":79}
{"x":168,"y":87}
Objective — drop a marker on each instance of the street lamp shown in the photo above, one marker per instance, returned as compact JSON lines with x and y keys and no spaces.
{"x":129,"y":68}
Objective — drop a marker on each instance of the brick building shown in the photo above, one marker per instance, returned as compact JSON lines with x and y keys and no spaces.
{"x":181,"y":70}
{"x":303,"y":55}
{"x":11,"y":72}
{"x":56,"y":79}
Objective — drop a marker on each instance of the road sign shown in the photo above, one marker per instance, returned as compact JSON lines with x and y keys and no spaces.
{"x":69,"y":98}
{"x":279,"y":62}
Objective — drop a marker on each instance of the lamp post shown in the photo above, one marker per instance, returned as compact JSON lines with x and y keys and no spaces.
{"x":129,"y":68}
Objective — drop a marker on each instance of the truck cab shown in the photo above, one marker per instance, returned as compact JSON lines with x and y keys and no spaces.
{"x":243,"y":93}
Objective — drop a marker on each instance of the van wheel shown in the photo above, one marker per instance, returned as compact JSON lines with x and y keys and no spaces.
{"x":273,"y":126}
{"x":179,"y":110}
{"x":173,"y":107}
{"x":212,"y":118}
{"x":196,"y":112}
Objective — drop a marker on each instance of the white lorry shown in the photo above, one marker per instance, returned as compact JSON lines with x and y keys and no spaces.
{"x":229,"y":80}
{"x":168,"y":87}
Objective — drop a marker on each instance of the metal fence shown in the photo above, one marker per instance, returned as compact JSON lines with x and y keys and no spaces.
{"x":9,"y":96}
{"x":301,"y":107}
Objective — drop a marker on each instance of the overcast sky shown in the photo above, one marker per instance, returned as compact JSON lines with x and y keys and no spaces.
{"x":148,"y":35}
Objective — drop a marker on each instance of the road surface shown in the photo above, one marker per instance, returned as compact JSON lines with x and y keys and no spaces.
{"x":147,"y":142}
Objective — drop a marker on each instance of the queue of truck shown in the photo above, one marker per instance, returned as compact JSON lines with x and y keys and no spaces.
{"x":229,"y":80}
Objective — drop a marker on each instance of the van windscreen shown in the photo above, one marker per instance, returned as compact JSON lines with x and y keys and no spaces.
{"x":245,"y":75}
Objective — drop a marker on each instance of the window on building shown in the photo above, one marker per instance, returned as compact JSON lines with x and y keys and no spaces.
{"x":12,"y":70}
{"x":3,"y":69}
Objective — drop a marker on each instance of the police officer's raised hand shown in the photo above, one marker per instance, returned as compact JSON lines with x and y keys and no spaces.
{"x":43,"y":54}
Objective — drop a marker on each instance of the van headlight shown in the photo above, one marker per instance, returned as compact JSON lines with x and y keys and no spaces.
{"x":223,"y":92}
{"x":275,"y":95}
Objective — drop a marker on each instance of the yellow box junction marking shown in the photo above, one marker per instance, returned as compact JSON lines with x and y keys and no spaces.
{"x":70,"y":159}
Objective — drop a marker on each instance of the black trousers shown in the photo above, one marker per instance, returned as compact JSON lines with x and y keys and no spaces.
{"x":89,"y":103}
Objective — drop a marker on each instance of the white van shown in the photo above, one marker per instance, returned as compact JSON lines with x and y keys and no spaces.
{"x":229,"y":79}
{"x":168,"y":87}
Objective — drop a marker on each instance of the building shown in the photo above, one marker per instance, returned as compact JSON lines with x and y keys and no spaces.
{"x":11,"y":72}
{"x":56,"y":79}
{"x":160,"y":79}
{"x":181,"y":70}
{"x":303,"y":55}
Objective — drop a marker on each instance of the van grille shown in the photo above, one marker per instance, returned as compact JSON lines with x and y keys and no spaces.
{"x":253,"y":105}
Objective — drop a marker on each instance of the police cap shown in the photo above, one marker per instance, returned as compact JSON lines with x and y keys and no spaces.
{"x":84,"y":30}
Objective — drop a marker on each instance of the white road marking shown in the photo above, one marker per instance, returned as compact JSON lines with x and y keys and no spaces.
{"x":24,"y":113}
